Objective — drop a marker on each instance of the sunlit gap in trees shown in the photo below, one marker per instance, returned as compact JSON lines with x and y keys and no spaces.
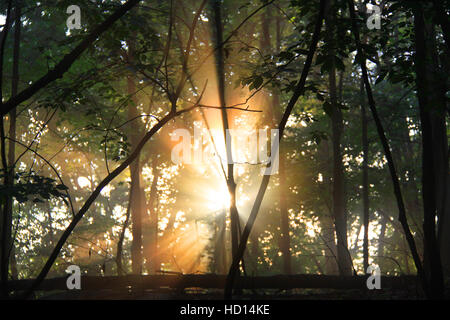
{"x":207,"y":198}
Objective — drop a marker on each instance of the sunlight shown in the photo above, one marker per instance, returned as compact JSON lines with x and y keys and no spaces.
{"x":218,"y":200}
{"x":84,"y":182}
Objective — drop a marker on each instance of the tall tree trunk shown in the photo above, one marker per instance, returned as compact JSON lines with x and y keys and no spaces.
{"x":12,"y":124}
{"x":344,"y":262}
{"x":405,"y":256}
{"x":381,"y":240}
{"x":137,"y":202}
{"x":119,"y":254}
{"x":220,"y":257}
{"x":152,"y":259}
{"x":412,"y":196}
{"x":220,"y":68}
{"x":431,"y":96}
{"x":136,"y":218}
{"x":6,"y":223}
{"x":444,"y":194}
{"x":365,"y":182}
{"x":326,"y":217}
{"x":285,"y":240}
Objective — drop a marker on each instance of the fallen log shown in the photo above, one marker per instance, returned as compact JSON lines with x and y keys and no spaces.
{"x":213,"y":281}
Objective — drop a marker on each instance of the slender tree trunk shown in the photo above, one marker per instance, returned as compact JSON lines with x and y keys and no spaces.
{"x":7,"y":239}
{"x":444,"y":180}
{"x":231,"y":184}
{"x":365,"y":182}
{"x":328,"y":234}
{"x":326,"y":217}
{"x":137,"y":201}
{"x":340,"y":220}
{"x":412,"y":195}
{"x":365,"y":170}
{"x":285,"y":241}
{"x":119,"y":255}
{"x":285,"y":245}
{"x":136,"y":219}
{"x":406,"y":256}
{"x":381,"y":240}
{"x":151,"y":253}
{"x":13,"y":120}
{"x":432,"y":116}
{"x":220,"y":258}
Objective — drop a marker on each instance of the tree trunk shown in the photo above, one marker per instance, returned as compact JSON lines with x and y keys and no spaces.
{"x":285,"y":240}
{"x":231,"y":185}
{"x":365,"y":182}
{"x":340,"y":221}
{"x":220,"y":257}
{"x":6,"y":225}
{"x":431,"y":96}
{"x":444,"y":179}
{"x":406,"y":256}
{"x":137,"y":202}
{"x":136,"y":218}
{"x":326,"y":217}
{"x":119,"y":255}
{"x":381,"y":240}
{"x":152,"y":259}
{"x":12,"y":125}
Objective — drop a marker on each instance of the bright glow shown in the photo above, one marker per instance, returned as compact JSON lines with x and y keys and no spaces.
{"x":84,"y":182}
{"x":218,"y":200}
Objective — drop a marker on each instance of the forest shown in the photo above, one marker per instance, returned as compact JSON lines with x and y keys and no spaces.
{"x":224,"y":149}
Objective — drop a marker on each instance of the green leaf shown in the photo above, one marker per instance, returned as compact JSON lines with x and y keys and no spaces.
{"x":62,"y":187}
{"x":381,"y":77}
{"x":257,"y":82}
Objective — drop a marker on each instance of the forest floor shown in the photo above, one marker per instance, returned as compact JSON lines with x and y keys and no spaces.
{"x":296,"y":294}
{"x":210,"y":287}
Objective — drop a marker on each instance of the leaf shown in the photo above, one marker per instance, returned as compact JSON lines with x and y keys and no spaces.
{"x":62,"y":187}
{"x":381,"y":77}
{"x":285,"y":55}
{"x":257,"y":82}
{"x":395,"y":6}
